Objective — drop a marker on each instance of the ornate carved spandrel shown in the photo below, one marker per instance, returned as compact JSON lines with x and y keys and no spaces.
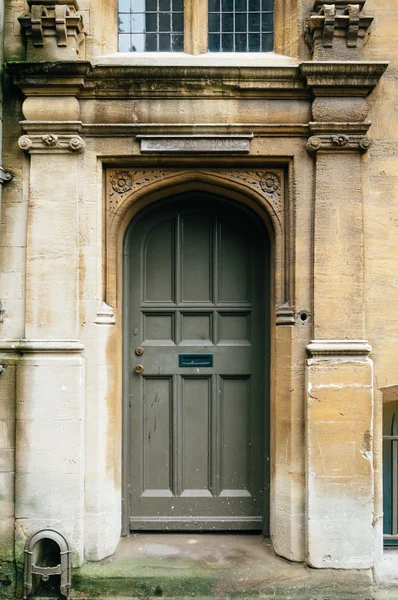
{"x":54,"y":30}
{"x":122,"y":182}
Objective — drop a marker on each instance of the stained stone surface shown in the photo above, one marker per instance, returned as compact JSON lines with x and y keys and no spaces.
{"x":215,"y":565}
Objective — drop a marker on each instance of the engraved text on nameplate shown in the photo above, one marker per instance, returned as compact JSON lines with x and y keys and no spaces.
{"x":199,"y":144}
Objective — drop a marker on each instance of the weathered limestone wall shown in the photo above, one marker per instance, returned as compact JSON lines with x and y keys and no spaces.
{"x":65,"y":379}
{"x":380,"y":226}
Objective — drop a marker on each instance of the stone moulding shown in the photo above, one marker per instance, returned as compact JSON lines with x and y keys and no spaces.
{"x":41,"y":346}
{"x":84,"y":80}
{"x":51,"y":142}
{"x":331,"y":78}
{"x":338,"y":142}
{"x":329,"y":348}
{"x":285,"y":315}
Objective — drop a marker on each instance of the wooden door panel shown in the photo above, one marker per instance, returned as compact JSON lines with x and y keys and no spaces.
{"x":196,"y":258}
{"x":158,"y":268}
{"x":235,"y":436}
{"x":157,"y":432}
{"x":196,"y":446}
{"x":196,"y":285}
{"x":234,"y":265}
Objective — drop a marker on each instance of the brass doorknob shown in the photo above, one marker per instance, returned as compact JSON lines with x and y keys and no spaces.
{"x":139,"y":369}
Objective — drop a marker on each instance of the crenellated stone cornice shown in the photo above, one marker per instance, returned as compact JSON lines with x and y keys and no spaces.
{"x":337,"y":29}
{"x":53,"y":29}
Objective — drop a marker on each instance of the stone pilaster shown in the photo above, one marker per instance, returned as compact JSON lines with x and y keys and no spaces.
{"x":339,"y":374}
{"x":50,"y":370}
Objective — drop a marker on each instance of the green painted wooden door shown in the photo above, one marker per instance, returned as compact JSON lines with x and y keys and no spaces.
{"x":196,"y":284}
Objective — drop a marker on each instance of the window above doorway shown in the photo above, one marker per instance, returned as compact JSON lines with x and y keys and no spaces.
{"x":196,"y":27}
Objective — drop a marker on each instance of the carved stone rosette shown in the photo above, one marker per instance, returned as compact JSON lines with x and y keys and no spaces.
{"x":337,"y":29}
{"x":338,"y":142}
{"x":54,"y":30}
{"x":43,"y":144}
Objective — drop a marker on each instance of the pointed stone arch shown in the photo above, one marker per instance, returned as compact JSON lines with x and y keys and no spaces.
{"x":129,"y":190}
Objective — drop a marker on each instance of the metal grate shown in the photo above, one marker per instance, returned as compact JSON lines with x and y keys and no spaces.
{"x":241,"y":25}
{"x":390,"y":479}
{"x":151,"y":25}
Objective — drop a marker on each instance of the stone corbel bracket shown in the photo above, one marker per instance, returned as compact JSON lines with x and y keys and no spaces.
{"x":59,"y":144}
{"x":4,"y":176}
{"x":339,"y":25}
{"x":52,"y":21}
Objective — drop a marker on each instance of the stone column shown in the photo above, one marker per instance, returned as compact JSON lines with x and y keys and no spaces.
{"x":339,"y":378}
{"x":50,"y":373}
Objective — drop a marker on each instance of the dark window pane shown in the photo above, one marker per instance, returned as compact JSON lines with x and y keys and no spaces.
{"x":178,"y":22}
{"x":214,"y":22}
{"x":267,"y":22}
{"x":268,"y":42}
{"x":164,"y":42}
{"x":241,"y":5}
{"x":164,"y":22}
{"x":267,"y":4}
{"x":241,"y":22}
{"x":241,"y":42}
{"x":214,"y":5}
{"x":151,"y":22}
{"x":177,"y":43}
{"x":151,"y":42}
{"x":214,"y":43}
{"x":151,"y":5}
{"x":228,"y":5}
{"x":124,"y":5}
{"x":254,"y":42}
{"x":228,"y":43}
{"x":178,"y":5}
{"x":254,"y":4}
{"x":228,"y":22}
{"x":254,"y":21}
{"x":164,"y":4}
{"x":124,"y":43}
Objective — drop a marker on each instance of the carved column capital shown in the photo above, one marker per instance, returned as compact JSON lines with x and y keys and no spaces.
{"x":54,"y":30}
{"x":50,"y":142}
{"x":337,"y":29}
{"x":335,"y":142}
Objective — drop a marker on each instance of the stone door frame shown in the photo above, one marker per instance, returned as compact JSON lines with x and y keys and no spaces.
{"x":265,"y":190}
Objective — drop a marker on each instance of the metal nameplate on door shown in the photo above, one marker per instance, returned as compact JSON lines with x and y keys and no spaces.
{"x":196,"y":360}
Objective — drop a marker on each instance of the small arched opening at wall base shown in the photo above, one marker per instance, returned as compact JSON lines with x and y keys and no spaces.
{"x":197,"y":291}
{"x":47,"y":568}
